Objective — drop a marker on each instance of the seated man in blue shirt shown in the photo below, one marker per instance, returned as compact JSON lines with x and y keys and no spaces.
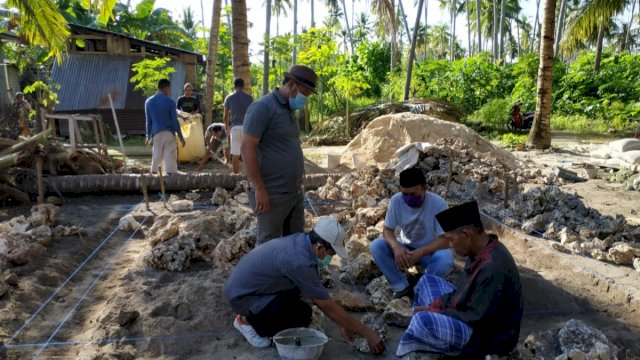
{"x":267,"y":286}
{"x":413,"y":210}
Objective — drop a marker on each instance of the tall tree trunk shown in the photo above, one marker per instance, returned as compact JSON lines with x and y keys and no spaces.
{"x":626,"y":34}
{"x":519,"y":37}
{"x":466,"y":6}
{"x":346,"y":20}
{"x":452,"y":40}
{"x":313,"y":14}
{"x":211,"y":63}
{"x":294,"y":56}
{"x":394,"y":45}
{"x":412,"y":52}
{"x":535,"y":26}
{"x":596,"y":65}
{"x":494,"y":37}
{"x":479,"y":26}
{"x":204,"y":33}
{"x":404,"y":20}
{"x":560,"y":26}
{"x":240,"y":43}
{"x":540,"y":134}
{"x":267,"y":41}
{"x":503,"y":8}
{"x":426,"y":29}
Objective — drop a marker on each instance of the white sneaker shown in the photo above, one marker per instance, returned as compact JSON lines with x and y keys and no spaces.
{"x":251,"y":335}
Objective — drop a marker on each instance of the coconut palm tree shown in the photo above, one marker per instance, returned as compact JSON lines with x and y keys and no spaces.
{"x":40,"y":23}
{"x":595,"y":14}
{"x":540,"y":134}
{"x":412,"y":52}
{"x":295,"y":32}
{"x":452,"y":7}
{"x":267,"y":41}
{"x":240,"y":43}
{"x":387,"y":24}
{"x":404,"y":20}
{"x":346,"y":20}
{"x":211,"y":62}
{"x":439,"y":39}
{"x":188,"y":22}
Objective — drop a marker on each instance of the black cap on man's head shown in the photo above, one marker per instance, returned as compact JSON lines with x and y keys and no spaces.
{"x":303,"y":75}
{"x":164,"y":83}
{"x":461,"y":215}
{"x":412,"y":177}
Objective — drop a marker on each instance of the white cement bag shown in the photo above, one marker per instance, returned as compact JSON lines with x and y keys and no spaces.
{"x":631,"y":157}
{"x":624,"y":145}
{"x":602,"y":152}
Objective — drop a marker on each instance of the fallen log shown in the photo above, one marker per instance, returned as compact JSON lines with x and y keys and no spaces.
{"x":38,"y":138}
{"x":84,"y":184}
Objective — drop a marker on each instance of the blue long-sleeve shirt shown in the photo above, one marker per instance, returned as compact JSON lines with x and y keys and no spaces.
{"x":160,"y":111}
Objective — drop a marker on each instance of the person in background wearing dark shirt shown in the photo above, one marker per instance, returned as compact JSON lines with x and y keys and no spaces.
{"x":482,"y":315}
{"x":187,"y":102}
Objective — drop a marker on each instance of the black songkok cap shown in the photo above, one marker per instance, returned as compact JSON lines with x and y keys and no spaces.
{"x":461,"y":215}
{"x":412,"y":177}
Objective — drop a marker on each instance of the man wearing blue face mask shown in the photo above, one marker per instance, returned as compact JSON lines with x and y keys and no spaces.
{"x":267,"y":287}
{"x":413,"y":210}
{"x":273,"y":157}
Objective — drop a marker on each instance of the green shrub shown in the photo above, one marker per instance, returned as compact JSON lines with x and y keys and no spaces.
{"x":494,"y":115}
{"x":514,"y":141}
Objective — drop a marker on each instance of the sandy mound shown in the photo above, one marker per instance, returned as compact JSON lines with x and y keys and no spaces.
{"x":376,"y":144}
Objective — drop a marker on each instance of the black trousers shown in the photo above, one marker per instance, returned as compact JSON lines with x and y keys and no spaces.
{"x":286,"y":311}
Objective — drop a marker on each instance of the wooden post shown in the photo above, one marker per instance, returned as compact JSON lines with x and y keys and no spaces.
{"x":506,"y":189}
{"x":449,"y":176}
{"x":143,"y":184}
{"x":115,"y":120}
{"x":72,"y":132}
{"x":104,"y":138}
{"x":164,"y":196}
{"x":40,"y":179}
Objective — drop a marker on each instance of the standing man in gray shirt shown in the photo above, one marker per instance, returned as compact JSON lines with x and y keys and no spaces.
{"x":273,"y":157}
{"x":236,"y":103}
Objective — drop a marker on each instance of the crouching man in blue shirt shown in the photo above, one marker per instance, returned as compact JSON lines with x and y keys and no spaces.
{"x":162,"y":127}
{"x":267,"y":286}
{"x":413,"y":210}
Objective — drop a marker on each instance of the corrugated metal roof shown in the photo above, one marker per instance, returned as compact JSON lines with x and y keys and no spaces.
{"x":87,"y":79}
{"x":6,"y":97}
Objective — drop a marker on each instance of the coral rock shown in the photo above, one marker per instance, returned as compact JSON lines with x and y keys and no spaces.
{"x":219,"y":197}
{"x":352,"y":301}
{"x":398,"y":312}
{"x":360,"y":270}
{"x":622,"y":254}
{"x":128,"y":223}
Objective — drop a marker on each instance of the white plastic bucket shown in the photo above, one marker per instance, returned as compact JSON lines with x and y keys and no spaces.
{"x":333,"y":160}
{"x":356,"y":161}
{"x":300,"y":343}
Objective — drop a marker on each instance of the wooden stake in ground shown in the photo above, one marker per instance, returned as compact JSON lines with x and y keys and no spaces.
{"x":449,"y":176}
{"x":143,"y":184}
{"x":115,"y":120}
{"x":506,"y":189}
{"x":39,"y":164}
{"x":164,"y":197}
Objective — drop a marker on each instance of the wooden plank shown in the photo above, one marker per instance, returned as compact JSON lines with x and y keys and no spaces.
{"x":72,"y":134}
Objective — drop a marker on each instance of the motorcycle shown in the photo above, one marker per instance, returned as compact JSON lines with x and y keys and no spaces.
{"x":518,"y":121}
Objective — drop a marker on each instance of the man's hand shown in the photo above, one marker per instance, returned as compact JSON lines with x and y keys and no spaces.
{"x":347,"y":335}
{"x":183,"y":142}
{"x":375,"y":341}
{"x":402,"y":257}
{"x":414,"y":256}
{"x":262,"y":200}
{"x":148,"y":142}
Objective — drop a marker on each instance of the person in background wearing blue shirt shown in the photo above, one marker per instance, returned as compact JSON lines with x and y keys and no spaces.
{"x":413,"y":210}
{"x":162,"y":127}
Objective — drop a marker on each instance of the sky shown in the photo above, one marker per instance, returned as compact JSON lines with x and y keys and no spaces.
{"x":256,"y":16}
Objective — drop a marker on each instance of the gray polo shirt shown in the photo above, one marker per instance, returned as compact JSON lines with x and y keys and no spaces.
{"x":279,"y":152}
{"x":276,"y":266}
{"x":238,"y":102}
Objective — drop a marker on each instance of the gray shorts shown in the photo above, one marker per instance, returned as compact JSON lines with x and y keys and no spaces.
{"x":285,"y":215}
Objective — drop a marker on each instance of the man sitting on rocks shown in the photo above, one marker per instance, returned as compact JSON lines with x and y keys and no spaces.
{"x":413,"y":211}
{"x":267,"y":286}
{"x":482,"y":314}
